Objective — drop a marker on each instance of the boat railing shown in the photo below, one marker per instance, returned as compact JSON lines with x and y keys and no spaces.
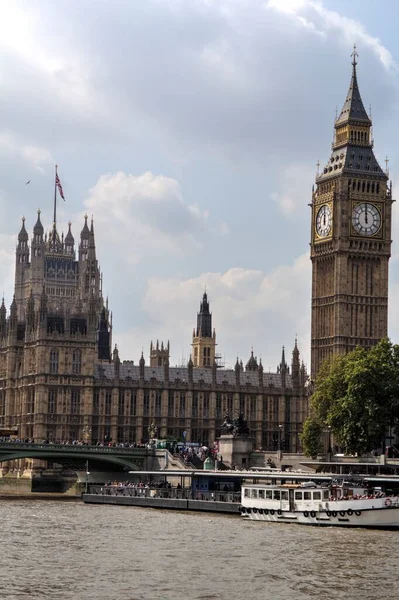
{"x":173,"y":493}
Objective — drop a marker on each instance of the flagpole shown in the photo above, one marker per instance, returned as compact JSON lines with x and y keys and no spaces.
{"x":55,"y":204}
{"x":55,"y":197}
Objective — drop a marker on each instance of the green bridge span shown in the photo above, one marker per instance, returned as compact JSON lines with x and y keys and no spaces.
{"x":101,"y":458}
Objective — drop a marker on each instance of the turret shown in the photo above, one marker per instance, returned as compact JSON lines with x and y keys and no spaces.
{"x":237,"y":370}
{"x":84,"y":242}
{"x":190,"y":366}
{"x":13,"y":319}
{"x":3,"y":319}
{"x":116,"y":361}
{"x":295,"y":365}
{"x":260,"y":371}
{"x":141,"y":366}
{"x":103,"y":337}
{"x":38,"y":231}
{"x":282,"y":368}
{"x":91,"y":252}
{"x":252,"y":364}
{"x":30,"y":313}
{"x":204,"y":339}
{"x":69,"y":241}
{"x":159,"y":354}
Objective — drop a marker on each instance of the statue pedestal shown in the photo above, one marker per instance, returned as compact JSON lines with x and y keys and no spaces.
{"x":235,"y":450}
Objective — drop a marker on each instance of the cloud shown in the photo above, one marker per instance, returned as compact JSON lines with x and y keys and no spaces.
{"x":250,"y":308}
{"x":294,"y":182}
{"x":37,"y":157}
{"x":318,"y":19}
{"x":147,"y":211}
{"x":7,"y":265}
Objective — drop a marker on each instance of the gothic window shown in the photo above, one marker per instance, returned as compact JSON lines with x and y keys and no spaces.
{"x":230,"y":405}
{"x":158,"y":404}
{"x":30,"y":409}
{"x":378,"y":188}
{"x":96,"y":402}
{"x":171,"y":404}
{"x":194,"y":411}
{"x":52,"y":401}
{"x":77,"y":362}
{"x":121,"y":403}
{"x":133,"y":403}
{"x":182,"y":406}
{"x":2,"y":403}
{"x":252,"y":414}
{"x":108,"y":400}
{"x":146,"y":405}
{"x":54,"y":359}
{"x":218,"y":405}
{"x":242,"y":403}
{"x":85,"y":243}
{"x":75,"y":402}
{"x":206,"y":406}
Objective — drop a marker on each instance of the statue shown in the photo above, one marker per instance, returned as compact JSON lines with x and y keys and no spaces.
{"x":152,"y":431}
{"x":237,"y":427}
{"x":240,"y":426}
{"x":227,"y":425}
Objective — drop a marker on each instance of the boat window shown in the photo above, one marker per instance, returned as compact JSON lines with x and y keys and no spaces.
{"x":284,"y":495}
{"x":316,"y":495}
{"x":254,"y":493}
{"x":268,"y":494}
{"x":326,"y":494}
{"x":298,"y":495}
{"x":246,"y":493}
{"x":261,"y":494}
{"x":276,"y":495}
{"x":307,"y":495}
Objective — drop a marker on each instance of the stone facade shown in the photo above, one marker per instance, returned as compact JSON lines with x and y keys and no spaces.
{"x":350,"y":240}
{"x":58,"y":381}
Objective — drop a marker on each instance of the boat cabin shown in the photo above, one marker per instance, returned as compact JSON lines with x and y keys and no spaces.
{"x":286,"y":497}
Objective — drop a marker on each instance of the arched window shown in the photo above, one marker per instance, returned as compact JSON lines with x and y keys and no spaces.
{"x":54,"y":360}
{"x":75,"y":402}
{"x":76,"y":362}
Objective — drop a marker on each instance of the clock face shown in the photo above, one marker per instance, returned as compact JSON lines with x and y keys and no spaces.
{"x":324,"y":221}
{"x":366,"y":219}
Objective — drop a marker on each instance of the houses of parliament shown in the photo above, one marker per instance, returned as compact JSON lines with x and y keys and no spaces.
{"x":62,"y":379}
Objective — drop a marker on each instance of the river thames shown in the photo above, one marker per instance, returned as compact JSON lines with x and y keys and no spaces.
{"x":54,"y":550}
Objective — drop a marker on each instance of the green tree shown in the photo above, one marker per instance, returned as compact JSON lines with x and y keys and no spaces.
{"x":358,"y":396}
{"x":311,"y":437}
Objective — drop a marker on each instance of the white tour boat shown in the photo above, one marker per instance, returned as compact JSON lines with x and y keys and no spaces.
{"x":310,"y":504}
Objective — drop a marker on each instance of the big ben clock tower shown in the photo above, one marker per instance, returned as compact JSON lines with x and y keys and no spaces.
{"x":350,"y":240}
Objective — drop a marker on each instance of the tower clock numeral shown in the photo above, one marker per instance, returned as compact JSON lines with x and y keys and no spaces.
{"x":366,"y":219}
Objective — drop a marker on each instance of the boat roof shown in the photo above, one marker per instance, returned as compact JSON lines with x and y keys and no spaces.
{"x":291,"y":475}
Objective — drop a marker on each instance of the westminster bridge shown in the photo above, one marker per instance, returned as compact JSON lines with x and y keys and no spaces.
{"x":79,"y":457}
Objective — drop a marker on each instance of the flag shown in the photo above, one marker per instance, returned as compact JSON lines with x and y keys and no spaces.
{"x":59,"y":186}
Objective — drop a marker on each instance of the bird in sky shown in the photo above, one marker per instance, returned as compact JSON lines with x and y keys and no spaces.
{"x":27,"y":182}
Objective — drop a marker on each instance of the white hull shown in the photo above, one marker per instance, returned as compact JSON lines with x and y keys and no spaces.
{"x":385,"y":518}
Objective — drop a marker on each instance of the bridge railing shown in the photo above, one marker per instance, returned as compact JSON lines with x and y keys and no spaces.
{"x":72,"y":448}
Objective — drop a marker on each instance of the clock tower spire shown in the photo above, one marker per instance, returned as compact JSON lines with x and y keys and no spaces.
{"x":351,"y":238}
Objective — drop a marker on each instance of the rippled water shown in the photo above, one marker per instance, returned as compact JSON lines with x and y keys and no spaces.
{"x":67,"y":550}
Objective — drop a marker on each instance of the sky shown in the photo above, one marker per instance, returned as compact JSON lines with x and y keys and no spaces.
{"x":190,"y":130}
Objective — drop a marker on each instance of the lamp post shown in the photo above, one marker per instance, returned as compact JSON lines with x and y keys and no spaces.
{"x":279,"y":450}
{"x":329,"y":449}
{"x":87,"y":476}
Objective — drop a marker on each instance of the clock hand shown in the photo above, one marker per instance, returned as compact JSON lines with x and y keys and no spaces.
{"x":365,"y":215}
